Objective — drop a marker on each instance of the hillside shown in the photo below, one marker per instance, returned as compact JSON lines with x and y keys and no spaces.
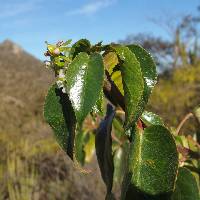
{"x":23,"y":82}
{"x":26,"y":141}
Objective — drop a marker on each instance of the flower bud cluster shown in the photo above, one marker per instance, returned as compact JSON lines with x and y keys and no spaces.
{"x":61,"y":79}
{"x":59,"y":60}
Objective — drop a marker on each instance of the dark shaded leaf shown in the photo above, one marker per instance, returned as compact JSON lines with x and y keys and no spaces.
{"x":82,"y":45}
{"x":150,"y":118}
{"x":84,"y":80}
{"x":148,"y":68}
{"x":58,"y":112}
{"x":103,"y":144}
{"x":133,"y":84}
{"x":186,"y":186}
{"x":153,"y":161}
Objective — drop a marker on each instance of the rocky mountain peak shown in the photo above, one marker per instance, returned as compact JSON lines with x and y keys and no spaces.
{"x":11,"y":47}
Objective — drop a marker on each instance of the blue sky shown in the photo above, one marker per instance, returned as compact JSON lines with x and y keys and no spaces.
{"x":31,"y":22}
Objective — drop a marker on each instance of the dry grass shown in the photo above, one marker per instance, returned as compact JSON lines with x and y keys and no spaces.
{"x":40,"y":170}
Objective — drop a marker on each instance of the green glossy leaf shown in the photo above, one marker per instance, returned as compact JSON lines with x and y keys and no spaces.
{"x":133,"y":84}
{"x":67,"y":42}
{"x":154,"y":161}
{"x":59,"y":114}
{"x":148,"y":69}
{"x":103,"y":144}
{"x":82,"y":45}
{"x":150,"y":118}
{"x":84,"y":80}
{"x":186,"y":186}
{"x":79,"y":147}
{"x":98,"y":107}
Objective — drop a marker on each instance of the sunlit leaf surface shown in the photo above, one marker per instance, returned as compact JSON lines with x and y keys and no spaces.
{"x":133,"y":84}
{"x":154,"y":161}
{"x":84,"y":81}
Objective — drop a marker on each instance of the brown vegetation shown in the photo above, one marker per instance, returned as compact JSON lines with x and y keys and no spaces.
{"x":32,"y":166}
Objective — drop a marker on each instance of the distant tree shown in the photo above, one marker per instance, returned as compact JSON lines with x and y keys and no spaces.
{"x":186,"y":45}
{"x":162,"y":50}
{"x":181,"y":49}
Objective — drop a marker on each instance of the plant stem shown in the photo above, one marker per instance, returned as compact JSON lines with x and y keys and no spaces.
{"x":188,"y":116}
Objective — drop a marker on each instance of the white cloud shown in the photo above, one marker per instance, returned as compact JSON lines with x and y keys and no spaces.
{"x":91,"y":8}
{"x":13,"y":9}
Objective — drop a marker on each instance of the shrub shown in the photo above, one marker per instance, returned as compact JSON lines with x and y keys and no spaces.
{"x":134,"y":148}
